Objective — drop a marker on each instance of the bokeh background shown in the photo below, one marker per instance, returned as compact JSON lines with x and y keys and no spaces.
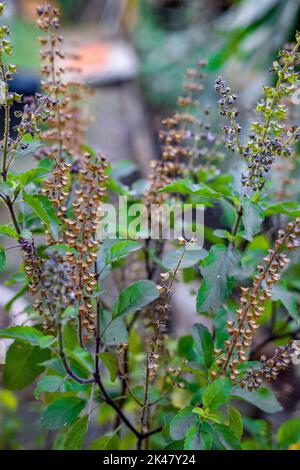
{"x":134,"y":53}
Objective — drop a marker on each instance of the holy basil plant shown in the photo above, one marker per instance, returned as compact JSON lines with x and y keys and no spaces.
{"x":100,"y":344}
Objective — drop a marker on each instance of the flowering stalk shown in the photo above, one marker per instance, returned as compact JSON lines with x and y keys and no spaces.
{"x":48,"y":22}
{"x":65,"y":132}
{"x":252,"y":302}
{"x":179,"y":137}
{"x":187,"y":141}
{"x":268,"y":138}
{"x":152,"y":355}
{"x":269,"y":369}
{"x":32,"y":116}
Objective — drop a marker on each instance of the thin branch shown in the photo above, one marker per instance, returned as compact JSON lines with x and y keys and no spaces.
{"x":65,"y":361}
{"x":13,"y":216}
{"x":104,"y":392}
{"x":151,"y":352}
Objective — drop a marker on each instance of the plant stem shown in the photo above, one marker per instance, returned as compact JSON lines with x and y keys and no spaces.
{"x":6,"y":124}
{"x":239,"y":214}
{"x":124,"y":379}
{"x":5,"y":142}
{"x":152,"y":350}
{"x":13,"y":216}
{"x":103,"y":390}
{"x":64,"y":359}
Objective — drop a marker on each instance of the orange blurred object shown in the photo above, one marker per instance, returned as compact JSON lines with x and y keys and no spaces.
{"x":92,"y":57}
{"x":102,"y":61}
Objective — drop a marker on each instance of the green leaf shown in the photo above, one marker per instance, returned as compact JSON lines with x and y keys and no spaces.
{"x":82,"y":357}
{"x":263,"y":398}
{"x":191,"y":257}
{"x":23,"y":365}
{"x":260,"y":430}
{"x":288,"y":300}
{"x":235,"y":421}
{"x":123,"y":168}
{"x":109,"y":442}
{"x":6,"y":190}
{"x":203,"y":345}
{"x":289,"y":208}
{"x":27,"y":234}
{"x":217,"y":393}
{"x":139,"y":187}
{"x":253,"y":216}
{"x":19,"y":294}
{"x":44,"y":210}
{"x":121,"y":250}
{"x":70,"y":336}
{"x":70,"y":312}
{"x":210,"y":437}
{"x":28,"y":334}
{"x":62,"y":412}
{"x":112,"y":364}
{"x":208,"y":416}
{"x":205,"y":436}
{"x":75,"y":437}
{"x":217,"y":271}
{"x":9,"y":231}
{"x":153,"y":396}
{"x":30,"y":175}
{"x":182,"y":422}
{"x":227,"y":437}
{"x":135,"y":297}
{"x":116,"y":333}
{"x":33,"y":143}
{"x":15,"y":279}
{"x":2,"y":259}
{"x":222,"y":184}
{"x":49,"y":384}
{"x":175,"y":445}
{"x":228,"y":213}
{"x":187,"y":187}
{"x":220,"y":233}
{"x":54,"y":365}
{"x":289,"y":432}
{"x":47,"y":341}
{"x":117,"y":187}
{"x":192,"y":439}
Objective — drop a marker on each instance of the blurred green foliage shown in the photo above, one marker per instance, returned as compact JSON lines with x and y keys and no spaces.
{"x":25,"y":42}
{"x":249,"y":32}
{"x":10,"y":423}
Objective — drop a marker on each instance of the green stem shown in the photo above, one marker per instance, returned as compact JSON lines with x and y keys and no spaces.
{"x":152,"y":350}
{"x":239,"y":214}
{"x":13,"y":216}
{"x":5,"y":142}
